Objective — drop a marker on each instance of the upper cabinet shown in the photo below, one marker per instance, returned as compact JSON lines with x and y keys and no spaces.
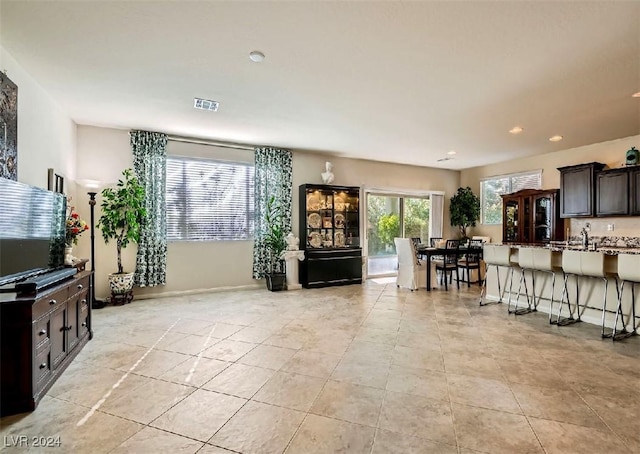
{"x":577,"y":189}
{"x":531,"y":216}
{"x":634,"y":187}
{"x":612,"y":192}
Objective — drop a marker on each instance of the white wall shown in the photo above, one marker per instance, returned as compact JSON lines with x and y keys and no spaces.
{"x":611,"y":153}
{"x":46,"y":134}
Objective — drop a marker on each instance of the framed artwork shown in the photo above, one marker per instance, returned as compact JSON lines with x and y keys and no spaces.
{"x":8,"y":128}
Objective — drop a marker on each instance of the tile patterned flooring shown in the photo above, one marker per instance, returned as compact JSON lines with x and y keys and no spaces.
{"x":356,"y":369}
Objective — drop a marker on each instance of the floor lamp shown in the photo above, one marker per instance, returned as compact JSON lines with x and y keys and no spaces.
{"x":94,"y":303}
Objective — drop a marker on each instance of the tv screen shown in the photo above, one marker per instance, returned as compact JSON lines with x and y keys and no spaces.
{"x":32,"y":230}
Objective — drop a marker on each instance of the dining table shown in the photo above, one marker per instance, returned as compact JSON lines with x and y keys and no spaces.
{"x":427,"y":253}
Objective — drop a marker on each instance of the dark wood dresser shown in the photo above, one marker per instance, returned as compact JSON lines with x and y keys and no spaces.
{"x":41,"y":333}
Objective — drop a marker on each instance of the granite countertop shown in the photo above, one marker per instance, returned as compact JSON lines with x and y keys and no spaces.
{"x":559,"y":247}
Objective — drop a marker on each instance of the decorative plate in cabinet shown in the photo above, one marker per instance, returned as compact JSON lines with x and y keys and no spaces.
{"x":314,"y":220}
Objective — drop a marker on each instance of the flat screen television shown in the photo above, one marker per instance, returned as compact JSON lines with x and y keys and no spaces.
{"x":32,"y":231}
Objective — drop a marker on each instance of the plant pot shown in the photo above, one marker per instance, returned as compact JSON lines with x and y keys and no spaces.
{"x":276,"y":281}
{"x":121,"y":283}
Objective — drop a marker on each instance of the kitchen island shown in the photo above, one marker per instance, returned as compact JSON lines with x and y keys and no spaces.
{"x":590,"y":290}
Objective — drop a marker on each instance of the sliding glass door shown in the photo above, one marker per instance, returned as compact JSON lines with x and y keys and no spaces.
{"x":390,"y":216}
{"x":383,"y":225}
{"x":415,"y":217}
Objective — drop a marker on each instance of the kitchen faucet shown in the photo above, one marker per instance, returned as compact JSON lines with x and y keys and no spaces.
{"x":585,"y":236}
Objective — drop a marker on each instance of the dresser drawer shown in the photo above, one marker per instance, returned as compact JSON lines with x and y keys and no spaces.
{"x":42,"y":367}
{"x":49,"y":302}
{"x":79,"y":286}
{"x":41,"y":334}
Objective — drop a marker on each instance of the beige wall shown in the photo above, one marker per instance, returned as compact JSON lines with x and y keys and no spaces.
{"x":307,"y":168}
{"x":46,"y":134}
{"x":194,"y":266}
{"x":611,"y":153}
{"x":191,"y":266}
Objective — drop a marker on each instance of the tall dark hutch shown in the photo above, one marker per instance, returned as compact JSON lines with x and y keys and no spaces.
{"x":330,"y":235}
{"x":531,"y":216}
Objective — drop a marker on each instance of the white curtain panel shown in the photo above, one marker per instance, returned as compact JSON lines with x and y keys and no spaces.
{"x":436,"y":215}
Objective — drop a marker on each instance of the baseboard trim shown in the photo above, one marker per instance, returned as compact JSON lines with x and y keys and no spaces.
{"x":146,"y":296}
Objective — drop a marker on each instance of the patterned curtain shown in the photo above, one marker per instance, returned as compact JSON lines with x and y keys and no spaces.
{"x":273,"y":177}
{"x":149,"y":163}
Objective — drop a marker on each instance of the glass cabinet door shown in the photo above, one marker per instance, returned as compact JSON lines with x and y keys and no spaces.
{"x":543,"y":219}
{"x":511,"y":220}
{"x":332,"y":218}
{"x":526,"y":230}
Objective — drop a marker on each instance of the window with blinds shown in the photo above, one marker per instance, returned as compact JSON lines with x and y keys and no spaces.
{"x":209,"y":200}
{"x":492,"y":188}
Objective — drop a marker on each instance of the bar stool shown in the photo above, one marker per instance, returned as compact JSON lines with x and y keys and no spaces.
{"x":498,"y":256}
{"x":628,"y":271}
{"x":582,"y":264}
{"x":534,"y":260}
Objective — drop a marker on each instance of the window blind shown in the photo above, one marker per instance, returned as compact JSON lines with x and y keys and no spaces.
{"x":209,"y":200}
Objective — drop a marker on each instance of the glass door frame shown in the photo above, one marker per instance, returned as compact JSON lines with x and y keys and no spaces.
{"x":401,"y":194}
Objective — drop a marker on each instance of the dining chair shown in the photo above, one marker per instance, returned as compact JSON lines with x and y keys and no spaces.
{"x":412,"y":272}
{"x":435,"y":242}
{"x":449,"y":263}
{"x":471,"y":261}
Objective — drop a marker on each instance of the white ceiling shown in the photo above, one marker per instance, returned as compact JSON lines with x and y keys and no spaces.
{"x":389,"y":81}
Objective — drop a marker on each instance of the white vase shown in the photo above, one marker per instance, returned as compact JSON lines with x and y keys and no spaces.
{"x":68,"y":255}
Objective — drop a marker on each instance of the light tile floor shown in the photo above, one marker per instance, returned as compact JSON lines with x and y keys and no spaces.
{"x":356,"y":369}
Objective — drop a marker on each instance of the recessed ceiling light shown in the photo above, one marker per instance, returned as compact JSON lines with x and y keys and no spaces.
{"x":452,"y":152}
{"x":516,"y":130}
{"x":256,"y":56}
{"x":205,"y":104}
{"x":636,"y":95}
{"x":555,"y":138}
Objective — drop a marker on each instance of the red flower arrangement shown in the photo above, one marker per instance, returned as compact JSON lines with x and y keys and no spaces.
{"x":75,"y":226}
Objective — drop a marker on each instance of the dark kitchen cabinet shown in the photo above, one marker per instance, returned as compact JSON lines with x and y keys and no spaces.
{"x":634,"y":188}
{"x":578,"y":189}
{"x":531,"y":216}
{"x":612,"y":192}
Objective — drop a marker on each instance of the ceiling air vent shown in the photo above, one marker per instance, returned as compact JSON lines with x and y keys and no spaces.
{"x":445,"y":159}
{"x":205,"y":104}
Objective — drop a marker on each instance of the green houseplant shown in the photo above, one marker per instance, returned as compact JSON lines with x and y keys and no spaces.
{"x":122,"y":215}
{"x":276,"y":243}
{"x":464,"y":210}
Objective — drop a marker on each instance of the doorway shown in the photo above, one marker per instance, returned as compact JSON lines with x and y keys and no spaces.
{"x":389,"y":216}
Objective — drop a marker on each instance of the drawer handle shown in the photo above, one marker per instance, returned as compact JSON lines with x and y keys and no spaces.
{"x":80,"y":286}
{"x":52,"y":302}
{"x":43,"y":332}
{"x":43,"y":365}
{"x":83,"y":301}
{"x":84,"y":324}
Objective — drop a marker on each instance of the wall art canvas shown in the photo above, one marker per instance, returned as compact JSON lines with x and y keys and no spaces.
{"x":8,"y":128}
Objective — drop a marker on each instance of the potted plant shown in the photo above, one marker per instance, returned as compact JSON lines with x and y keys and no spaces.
{"x":122,"y":215}
{"x":276,"y":243}
{"x":464,"y":210}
